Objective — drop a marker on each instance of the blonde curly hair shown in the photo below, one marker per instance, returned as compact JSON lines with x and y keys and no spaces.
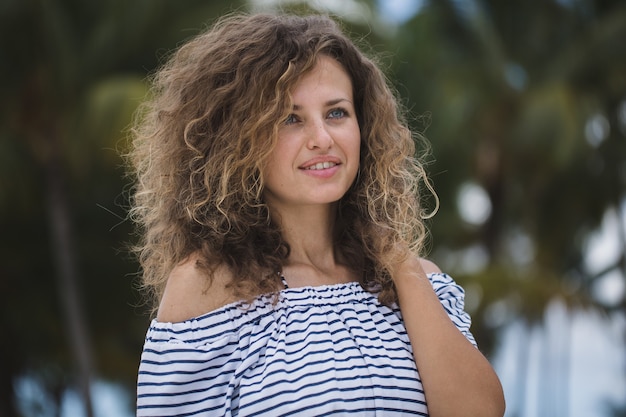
{"x":201,"y":140}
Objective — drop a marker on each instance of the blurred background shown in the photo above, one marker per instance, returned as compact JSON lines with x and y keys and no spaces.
{"x":523,"y":102}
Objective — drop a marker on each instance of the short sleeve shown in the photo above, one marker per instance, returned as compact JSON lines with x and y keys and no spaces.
{"x":452,"y":298}
{"x":177,"y":377}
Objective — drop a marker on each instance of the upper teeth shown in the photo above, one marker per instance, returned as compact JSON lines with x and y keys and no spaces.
{"x":322,"y":165}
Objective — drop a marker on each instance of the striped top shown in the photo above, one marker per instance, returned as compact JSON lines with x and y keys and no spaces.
{"x":315,"y":351}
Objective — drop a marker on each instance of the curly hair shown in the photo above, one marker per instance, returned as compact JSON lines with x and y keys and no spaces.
{"x":201,"y":140}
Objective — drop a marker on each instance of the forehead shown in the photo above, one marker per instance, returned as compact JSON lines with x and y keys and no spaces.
{"x":327,"y":76}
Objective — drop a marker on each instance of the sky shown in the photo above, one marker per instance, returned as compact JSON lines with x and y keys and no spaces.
{"x":399,"y":11}
{"x":576,"y":365}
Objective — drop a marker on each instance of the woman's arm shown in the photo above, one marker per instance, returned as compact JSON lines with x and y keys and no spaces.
{"x":458,"y":380}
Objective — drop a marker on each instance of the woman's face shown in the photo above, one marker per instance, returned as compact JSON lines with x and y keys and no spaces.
{"x":316,"y":157}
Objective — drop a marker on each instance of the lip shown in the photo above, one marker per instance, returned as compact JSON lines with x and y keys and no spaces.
{"x":321,"y":174}
{"x":321,"y":159}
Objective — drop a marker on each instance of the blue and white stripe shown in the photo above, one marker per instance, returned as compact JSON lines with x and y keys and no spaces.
{"x":316,"y":351}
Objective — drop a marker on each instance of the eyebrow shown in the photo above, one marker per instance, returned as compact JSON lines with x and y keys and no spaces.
{"x":329,"y":103}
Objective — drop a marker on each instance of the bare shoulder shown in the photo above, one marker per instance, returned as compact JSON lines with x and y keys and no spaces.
{"x":190,"y":292}
{"x":429,"y":267}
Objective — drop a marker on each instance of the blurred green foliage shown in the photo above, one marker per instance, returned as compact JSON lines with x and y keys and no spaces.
{"x":525,"y":100}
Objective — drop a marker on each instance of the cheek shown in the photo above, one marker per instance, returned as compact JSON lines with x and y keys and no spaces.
{"x":272,"y":174}
{"x":277,"y":164}
{"x":355,"y":157}
{"x":356,"y":147}
{"x":283,"y":150}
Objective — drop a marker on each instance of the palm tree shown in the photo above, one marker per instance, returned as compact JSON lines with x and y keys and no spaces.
{"x":512,"y":87}
{"x":63,"y":59}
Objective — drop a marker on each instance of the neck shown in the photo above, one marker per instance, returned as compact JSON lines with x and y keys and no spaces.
{"x":309,"y":231}
{"x":313,"y":260}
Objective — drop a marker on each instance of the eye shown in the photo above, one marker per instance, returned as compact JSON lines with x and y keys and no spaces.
{"x":291,"y":119}
{"x":337,"y":113}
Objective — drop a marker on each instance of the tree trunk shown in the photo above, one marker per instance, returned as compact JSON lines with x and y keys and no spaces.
{"x":64,"y":256}
{"x":7,"y":398}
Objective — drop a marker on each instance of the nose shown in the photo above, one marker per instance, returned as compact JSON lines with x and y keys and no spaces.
{"x":318,"y":136}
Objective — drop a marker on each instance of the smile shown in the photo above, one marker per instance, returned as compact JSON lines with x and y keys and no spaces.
{"x":321,"y":165}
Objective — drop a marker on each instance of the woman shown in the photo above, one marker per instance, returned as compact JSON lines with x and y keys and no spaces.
{"x":277,"y":195}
